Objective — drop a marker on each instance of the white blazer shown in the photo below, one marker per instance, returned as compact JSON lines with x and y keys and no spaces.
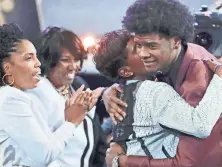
{"x":25,"y":135}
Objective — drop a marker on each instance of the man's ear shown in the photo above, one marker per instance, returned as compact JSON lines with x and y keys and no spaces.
{"x":176,"y":42}
{"x":125,"y":72}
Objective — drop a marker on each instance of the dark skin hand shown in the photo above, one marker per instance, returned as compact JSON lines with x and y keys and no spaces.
{"x":214,"y":65}
{"x":115,"y":150}
{"x":113,"y":104}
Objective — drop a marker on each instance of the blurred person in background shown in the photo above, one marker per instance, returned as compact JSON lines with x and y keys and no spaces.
{"x":107,"y":126}
{"x":61,"y":54}
{"x":25,"y":137}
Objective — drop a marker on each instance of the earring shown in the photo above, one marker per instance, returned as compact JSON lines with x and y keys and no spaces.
{"x":3,"y":80}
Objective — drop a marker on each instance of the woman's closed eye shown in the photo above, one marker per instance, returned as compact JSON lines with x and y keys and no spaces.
{"x":64,"y":60}
{"x":28,"y":58}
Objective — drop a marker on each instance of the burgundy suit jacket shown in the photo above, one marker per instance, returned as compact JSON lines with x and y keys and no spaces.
{"x":192,"y":81}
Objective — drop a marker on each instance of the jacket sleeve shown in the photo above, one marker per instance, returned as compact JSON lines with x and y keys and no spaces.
{"x":174,"y":112}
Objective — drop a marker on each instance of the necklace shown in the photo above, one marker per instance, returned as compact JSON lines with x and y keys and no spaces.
{"x":64,"y":91}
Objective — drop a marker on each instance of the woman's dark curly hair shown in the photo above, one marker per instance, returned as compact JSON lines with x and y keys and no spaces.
{"x":111,"y":53}
{"x":50,"y":44}
{"x":167,"y":17}
{"x":10,"y":37}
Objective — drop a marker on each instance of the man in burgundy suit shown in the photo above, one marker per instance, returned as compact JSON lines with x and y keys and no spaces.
{"x":162,"y":30}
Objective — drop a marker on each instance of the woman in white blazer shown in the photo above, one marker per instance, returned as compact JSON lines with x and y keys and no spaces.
{"x":61,"y":54}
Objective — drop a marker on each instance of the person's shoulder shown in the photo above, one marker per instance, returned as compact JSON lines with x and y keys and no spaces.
{"x":44,"y":90}
{"x":149,"y":83}
{"x":197,"y":66}
{"x":10,"y":94}
{"x":46,"y":95}
{"x":198,"y":75}
{"x":153,"y":86}
{"x":199,"y":52}
{"x":44,"y":84}
{"x":14,"y":103}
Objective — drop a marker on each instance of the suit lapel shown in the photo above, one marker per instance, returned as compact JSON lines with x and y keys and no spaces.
{"x":188,"y":57}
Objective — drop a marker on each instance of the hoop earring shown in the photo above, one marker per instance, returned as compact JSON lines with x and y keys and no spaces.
{"x":3,"y":80}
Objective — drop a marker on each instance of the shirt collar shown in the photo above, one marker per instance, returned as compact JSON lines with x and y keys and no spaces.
{"x":176,"y":65}
{"x":131,"y":81}
{"x":173,"y":69}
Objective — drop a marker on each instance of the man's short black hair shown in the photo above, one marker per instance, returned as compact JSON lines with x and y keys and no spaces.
{"x":50,"y":44}
{"x":111,"y":53}
{"x":166,"y":17}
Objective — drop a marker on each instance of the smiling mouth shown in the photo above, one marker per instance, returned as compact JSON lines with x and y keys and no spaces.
{"x":149,"y":62}
{"x":71,"y":75}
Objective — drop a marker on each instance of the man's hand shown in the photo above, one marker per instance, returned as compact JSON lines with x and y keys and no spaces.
{"x":114,"y":150}
{"x":113,"y":104}
{"x":214,"y":65}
